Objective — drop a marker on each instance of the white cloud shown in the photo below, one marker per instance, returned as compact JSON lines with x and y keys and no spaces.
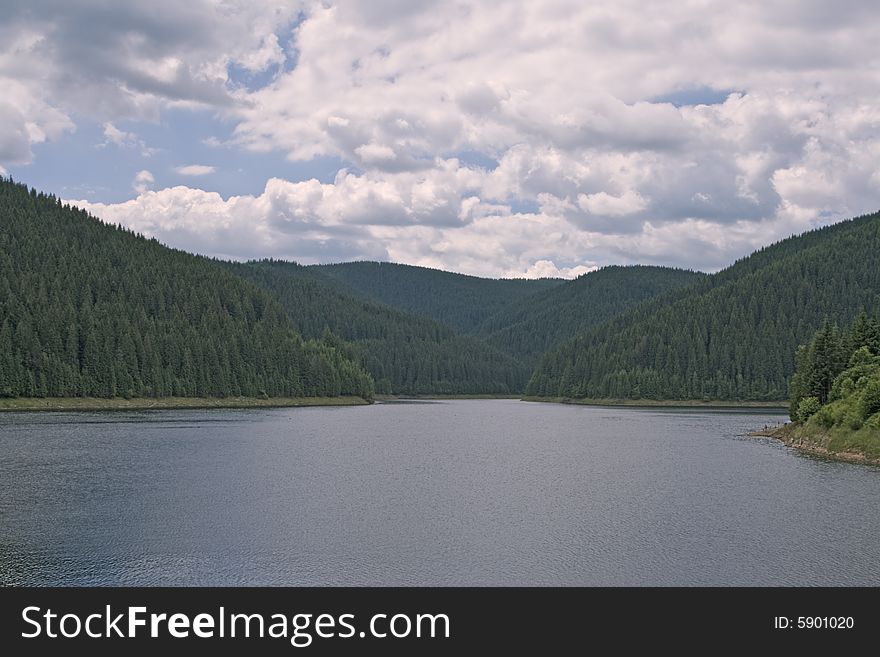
{"x":374,"y":153}
{"x":128,"y":60}
{"x":575,"y":159}
{"x":143,"y":180}
{"x":549,"y":269}
{"x":585,"y":141}
{"x":268,"y":53}
{"x":605,"y":204}
{"x":26,"y":120}
{"x":123,"y":139}
{"x":360,"y":217}
{"x":195,"y":170}
{"x":113,"y":135}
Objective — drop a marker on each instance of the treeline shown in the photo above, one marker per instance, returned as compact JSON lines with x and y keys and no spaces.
{"x":731,"y":336}
{"x":461,"y":302}
{"x":89,"y":309}
{"x":405,"y":354}
{"x":838,"y":365}
{"x":543,"y":321}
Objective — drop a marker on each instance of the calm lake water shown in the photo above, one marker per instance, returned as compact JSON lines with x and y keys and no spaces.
{"x":427,"y":493}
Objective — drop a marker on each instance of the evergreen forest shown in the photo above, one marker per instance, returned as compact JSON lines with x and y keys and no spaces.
{"x":93,"y":310}
{"x":835,"y":398}
{"x":405,"y":354}
{"x":89,"y":309}
{"x":731,"y":336}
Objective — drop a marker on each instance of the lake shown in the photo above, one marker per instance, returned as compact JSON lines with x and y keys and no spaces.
{"x":494,"y":492}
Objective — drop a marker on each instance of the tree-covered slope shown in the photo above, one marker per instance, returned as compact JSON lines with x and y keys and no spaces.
{"x":543,"y":321}
{"x":835,"y":398}
{"x":405,"y":354}
{"x":89,"y":309}
{"x":731,"y":336}
{"x":459,"y":301}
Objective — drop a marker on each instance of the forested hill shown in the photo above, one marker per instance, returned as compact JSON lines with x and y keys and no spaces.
{"x":731,"y":336}
{"x":543,"y":321}
{"x":89,"y":309}
{"x":459,"y":301}
{"x":405,"y":354}
{"x":835,"y":392}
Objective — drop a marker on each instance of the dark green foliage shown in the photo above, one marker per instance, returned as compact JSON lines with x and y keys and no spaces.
{"x":544,"y":320}
{"x":838,"y":375}
{"x":817,"y":365}
{"x":458,"y":301}
{"x":89,"y":309}
{"x":807,"y":407}
{"x":733,"y":335}
{"x":405,"y":354}
{"x":869,"y":404}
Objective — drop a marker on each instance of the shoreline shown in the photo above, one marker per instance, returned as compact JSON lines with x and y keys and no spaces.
{"x":36,"y":404}
{"x":391,"y":398}
{"x":661,"y":403}
{"x":793,"y":435}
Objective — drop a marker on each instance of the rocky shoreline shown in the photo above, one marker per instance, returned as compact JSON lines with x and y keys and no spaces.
{"x":797,"y":436}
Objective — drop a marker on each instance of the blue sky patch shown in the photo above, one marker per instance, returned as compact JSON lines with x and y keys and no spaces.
{"x":694,"y":96}
{"x":82,"y":165}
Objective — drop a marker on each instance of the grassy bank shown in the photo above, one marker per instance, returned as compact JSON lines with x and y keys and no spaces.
{"x":98,"y":404}
{"x":839,"y":443}
{"x":664,"y":403}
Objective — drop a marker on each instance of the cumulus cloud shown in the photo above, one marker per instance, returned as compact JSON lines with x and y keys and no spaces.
{"x":112,"y":61}
{"x":549,"y":269}
{"x":143,"y":180}
{"x":561,"y":95}
{"x":606,"y":204}
{"x":26,"y":120}
{"x":273,"y":224}
{"x":506,"y":139}
{"x":113,"y":135}
{"x":123,"y":139}
{"x":195,"y":170}
{"x":348,"y":219}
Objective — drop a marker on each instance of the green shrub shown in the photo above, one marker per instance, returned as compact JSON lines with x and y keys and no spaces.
{"x":826,"y":417}
{"x":853,"y":419}
{"x":843,"y":387}
{"x":862,"y":356}
{"x":870,"y":401}
{"x":807,"y":407}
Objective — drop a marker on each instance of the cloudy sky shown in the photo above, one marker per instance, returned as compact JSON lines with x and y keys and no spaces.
{"x":500,"y":139}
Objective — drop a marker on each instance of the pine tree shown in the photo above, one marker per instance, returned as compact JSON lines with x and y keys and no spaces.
{"x":88,"y":309}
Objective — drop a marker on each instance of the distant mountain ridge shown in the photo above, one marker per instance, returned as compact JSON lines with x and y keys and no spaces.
{"x":405,"y":353}
{"x":90,"y":309}
{"x":460,"y":301}
{"x":544,"y":320}
{"x":417,"y":355}
{"x":731,"y":336}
